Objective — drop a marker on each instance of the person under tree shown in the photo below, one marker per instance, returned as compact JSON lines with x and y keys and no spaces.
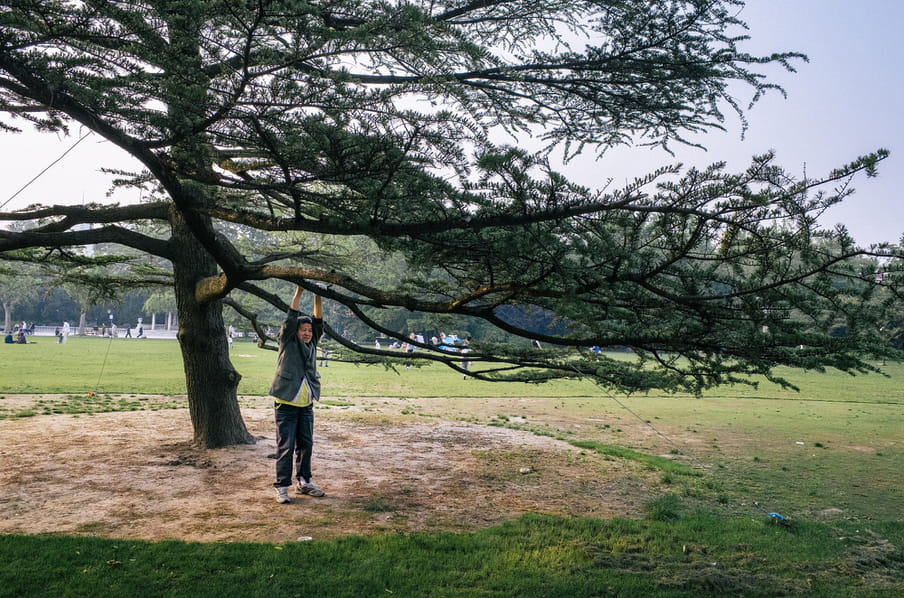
{"x":295,"y":387}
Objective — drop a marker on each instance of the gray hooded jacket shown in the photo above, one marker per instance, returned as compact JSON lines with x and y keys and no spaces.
{"x":296,"y":361}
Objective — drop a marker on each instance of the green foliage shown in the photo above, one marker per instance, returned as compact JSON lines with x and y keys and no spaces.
{"x":160,"y":301}
{"x":18,"y":285}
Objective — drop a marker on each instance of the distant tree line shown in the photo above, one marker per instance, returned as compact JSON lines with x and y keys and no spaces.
{"x":45,"y":302}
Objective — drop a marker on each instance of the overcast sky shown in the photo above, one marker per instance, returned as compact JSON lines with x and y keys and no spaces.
{"x":844,"y":103}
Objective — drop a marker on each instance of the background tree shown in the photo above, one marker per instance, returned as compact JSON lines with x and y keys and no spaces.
{"x":161,"y":301}
{"x":19,"y":285}
{"x":348,"y":119}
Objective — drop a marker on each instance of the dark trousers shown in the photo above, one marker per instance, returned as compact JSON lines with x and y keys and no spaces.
{"x":294,"y":438}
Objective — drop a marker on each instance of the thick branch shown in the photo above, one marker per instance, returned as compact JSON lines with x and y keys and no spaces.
{"x":10,"y":241}
{"x":71,"y":216}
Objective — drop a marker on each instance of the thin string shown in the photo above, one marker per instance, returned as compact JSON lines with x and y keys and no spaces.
{"x":49,"y":166}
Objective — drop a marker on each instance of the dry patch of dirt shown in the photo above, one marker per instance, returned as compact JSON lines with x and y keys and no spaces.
{"x":134,"y":475}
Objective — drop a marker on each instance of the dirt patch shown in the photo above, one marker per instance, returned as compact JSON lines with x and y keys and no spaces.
{"x":134,"y":475}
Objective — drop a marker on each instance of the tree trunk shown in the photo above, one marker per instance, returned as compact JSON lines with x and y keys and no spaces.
{"x":210,"y":379}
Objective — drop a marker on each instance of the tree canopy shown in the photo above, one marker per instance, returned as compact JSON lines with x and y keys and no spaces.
{"x":426,"y":129}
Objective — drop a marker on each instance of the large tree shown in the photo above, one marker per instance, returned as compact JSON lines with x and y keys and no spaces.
{"x":351,"y":118}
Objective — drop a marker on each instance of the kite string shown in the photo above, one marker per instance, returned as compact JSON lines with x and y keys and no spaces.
{"x":775,"y":516}
{"x":48,"y":167}
{"x":646,"y":422}
{"x":104,"y":364}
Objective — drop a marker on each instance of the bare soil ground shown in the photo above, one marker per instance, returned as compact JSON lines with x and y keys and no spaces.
{"x":135,"y":475}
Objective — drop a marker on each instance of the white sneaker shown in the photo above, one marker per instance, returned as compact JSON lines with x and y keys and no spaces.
{"x":282,"y":495}
{"x":309,"y":488}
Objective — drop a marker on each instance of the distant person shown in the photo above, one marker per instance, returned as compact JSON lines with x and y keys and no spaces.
{"x":140,"y":332}
{"x":465,"y":349}
{"x":65,"y":333}
{"x":295,"y":387}
{"x":409,"y":348}
{"x":230,"y":334}
{"x":128,"y":333}
{"x":20,"y":338}
{"x":9,"y":338}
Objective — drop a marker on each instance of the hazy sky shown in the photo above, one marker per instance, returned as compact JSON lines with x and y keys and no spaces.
{"x":844,"y":103}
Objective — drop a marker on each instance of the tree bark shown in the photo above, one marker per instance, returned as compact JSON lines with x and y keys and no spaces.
{"x":211,"y":380}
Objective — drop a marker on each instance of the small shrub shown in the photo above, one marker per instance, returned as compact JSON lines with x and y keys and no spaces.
{"x":664,"y":508}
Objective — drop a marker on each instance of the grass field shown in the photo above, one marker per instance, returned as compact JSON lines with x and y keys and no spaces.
{"x":830,"y":457}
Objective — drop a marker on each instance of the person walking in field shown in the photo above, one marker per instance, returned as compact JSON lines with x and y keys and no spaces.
{"x":295,"y":387}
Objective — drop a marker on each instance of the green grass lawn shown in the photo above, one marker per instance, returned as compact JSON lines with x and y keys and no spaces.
{"x":535,"y":556}
{"x":830,"y":457}
{"x":155,"y":366}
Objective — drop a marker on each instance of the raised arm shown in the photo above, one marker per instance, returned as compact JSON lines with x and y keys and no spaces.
{"x":318,"y":307}
{"x":296,"y":302}
{"x":296,"y":298}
